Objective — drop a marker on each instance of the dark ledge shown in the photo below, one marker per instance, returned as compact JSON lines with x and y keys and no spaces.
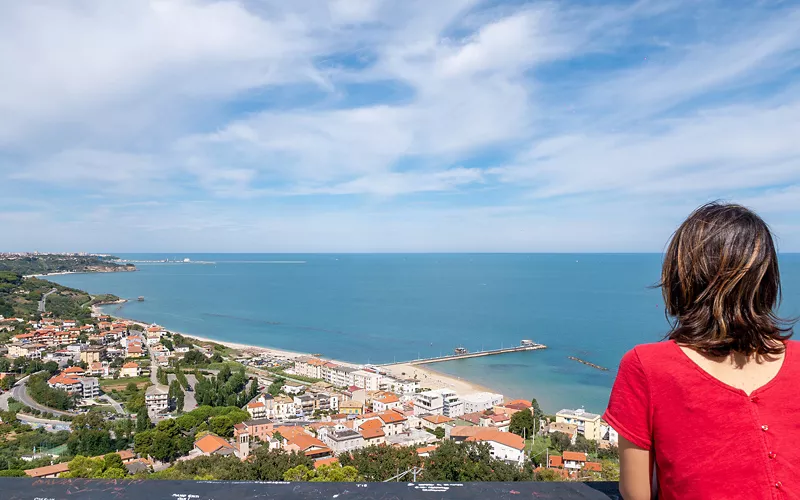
{"x":94,"y":489}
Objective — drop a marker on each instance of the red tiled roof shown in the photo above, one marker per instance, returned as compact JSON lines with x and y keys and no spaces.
{"x":255,"y":404}
{"x":388,"y":399}
{"x":306,"y":441}
{"x":526,"y":404}
{"x":437,"y":419}
{"x":130,"y":364}
{"x":392,"y":417}
{"x":372,"y":433}
{"x":325,"y":461}
{"x":211,"y":443}
{"x":73,"y":369}
{"x":575,"y":456}
{"x":374,"y":423}
{"x":593,"y":466}
{"x":426,"y":449}
{"x":556,"y":461}
{"x":505,"y":438}
{"x":48,"y":470}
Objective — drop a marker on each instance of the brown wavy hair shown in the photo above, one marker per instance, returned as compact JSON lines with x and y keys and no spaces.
{"x":721,"y":283}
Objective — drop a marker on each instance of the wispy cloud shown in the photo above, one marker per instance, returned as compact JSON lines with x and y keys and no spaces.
{"x":378,"y":125}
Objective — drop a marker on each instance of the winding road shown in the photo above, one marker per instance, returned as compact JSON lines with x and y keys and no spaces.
{"x":20,"y":393}
{"x":43,"y":302}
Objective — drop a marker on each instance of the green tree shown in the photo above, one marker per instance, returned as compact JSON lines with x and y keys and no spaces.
{"x":112,"y":461}
{"x":299,"y":473}
{"x":439,"y":432}
{"x":560,"y":441}
{"x":379,"y":463}
{"x":548,"y":475}
{"x":84,"y":467}
{"x":142,"y":420}
{"x":7,"y":382}
{"x":470,"y":461}
{"x":13,"y":473}
{"x":221,"y":426}
{"x":271,"y":465}
{"x":161,"y":376}
{"x":167,"y":343}
{"x":275,"y":387}
{"x":522,"y":423}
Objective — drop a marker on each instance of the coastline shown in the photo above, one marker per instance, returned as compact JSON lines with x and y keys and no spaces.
{"x":431,"y":378}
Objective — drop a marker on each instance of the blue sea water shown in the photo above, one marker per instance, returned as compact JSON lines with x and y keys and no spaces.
{"x":388,"y":307}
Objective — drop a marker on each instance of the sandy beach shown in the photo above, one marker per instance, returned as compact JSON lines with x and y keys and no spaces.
{"x":433,"y":379}
{"x":428,"y":377}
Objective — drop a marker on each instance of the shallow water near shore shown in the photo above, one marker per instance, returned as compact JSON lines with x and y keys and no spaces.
{"x":382,"y":308}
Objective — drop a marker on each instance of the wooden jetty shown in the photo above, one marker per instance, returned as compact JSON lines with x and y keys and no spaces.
{"x":583,"y":361}
{"x":520,"y":348}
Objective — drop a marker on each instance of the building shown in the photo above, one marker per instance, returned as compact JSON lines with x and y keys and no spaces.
{"x":431,"y":422}
{"x":367,"y":380}
{"x":404,"y":386}
{"x":156,"y":399}
{"x":608,"y":434}
{"x":505,"y":445}
{"x":340,"y":439}
{"x":293,"y":388}
{"x":92,"y":355}
{"x":211,"y":444}
{"x":304,"y":404}
{"x":394,"y":422}
{"x":256,"y":409}
{"x":499,"y":421}
{"x":69,"y":384}
{"x":570,"y":430}
{"x":574,"y":461}
{"x":337,"y":375}
{"x":388,"y":401}
{"x":90,"y":387}
{"x":588,"y":423}
{"x":308,"y":367}
{"x":130,"y":369}
{"x":481,"y":401}
{"x":438,"y":402}
{"x":29,"y":350}
{"x":259,"y":430}
{"x":351,"y":407}
{"x":99,"y":369}
{"x":372,"y":432}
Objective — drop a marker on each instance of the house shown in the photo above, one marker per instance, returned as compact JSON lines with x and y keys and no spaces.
{"x":505,"y":445}
{"x":211,"y":444}
{"x":574,"y":461}
{"x":404,"y":386}
{"x":254,"y":431}
{"x":49,"y":471}
{"x":431,"y":422}
{"x":425,"y":451}
{"x":394,"y":422}
{"x":130,"y":369}
{"x":73,"y":371}
{"x":512,"y":407}
{"x":570,"y":430}
{"x":340,"y":439}
{"x":156,"y":399}
{"x":292,"y":388}
{"x":134,"y":350}
{"x":256,"y":409}
{"x":470,"y":419}
{"x":351,"y":407}
{"x":30,"y":350}
{"x":90,"y":387}
{"x":387,"y":401}
{"x":99,"y":369}
{"x":69,"y":384}
{"x":325,"y":461}
{"x":588,"y":423}
{"x":372,"y":432}
{"x":500,"y":421}
{"x":92,"y":354}
{"x":438,"y":402}
{"x":481,"y":401}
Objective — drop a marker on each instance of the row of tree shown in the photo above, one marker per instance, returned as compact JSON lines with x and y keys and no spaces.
{"x":226,"y":389}
{"x":48,"y":396}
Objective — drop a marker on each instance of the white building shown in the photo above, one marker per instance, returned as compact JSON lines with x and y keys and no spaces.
{"x":90,"y":387}
{"x":340,"y":376}
{"x":588,"y":423}
{"x":404,"y":386}
{"x":505,"y":445}
{"x":340,"y":439}
{"x":370,"y":381}
{"x":292,"y":388}
{"x":438,"y":402}
{"x":156,"y":399}
{"x":388,"y":401}
{"x":607,"y":433}
{"x":481,"y":401}
{"x":308,"y":366}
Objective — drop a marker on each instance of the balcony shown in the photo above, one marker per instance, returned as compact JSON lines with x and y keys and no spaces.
{"x":93,"y":489}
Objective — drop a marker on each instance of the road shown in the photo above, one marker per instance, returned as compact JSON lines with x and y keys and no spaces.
{"x":43,"y":302}
{"x":108,"y":399}
{"x":46,"y":423}
{"x":189,"y":401}
{"x":20,"y":393}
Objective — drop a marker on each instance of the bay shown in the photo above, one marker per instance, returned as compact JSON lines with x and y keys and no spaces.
{"x":381,"y":308}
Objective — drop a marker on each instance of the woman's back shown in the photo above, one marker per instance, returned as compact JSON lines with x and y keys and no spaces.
{"x":712,"y":413}
{"x":710,"y":438}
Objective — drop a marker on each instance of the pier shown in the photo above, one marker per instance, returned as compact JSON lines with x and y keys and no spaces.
{"x":477,"y":354}
{"x":583,"y":361}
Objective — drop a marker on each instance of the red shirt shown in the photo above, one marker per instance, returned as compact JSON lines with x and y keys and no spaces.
{"x":710,"y":440}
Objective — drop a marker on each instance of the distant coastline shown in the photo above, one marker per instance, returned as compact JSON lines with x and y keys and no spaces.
{"x":427,"y":377}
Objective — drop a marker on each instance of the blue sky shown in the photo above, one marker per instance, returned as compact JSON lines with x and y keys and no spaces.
{"x":370,"y":125}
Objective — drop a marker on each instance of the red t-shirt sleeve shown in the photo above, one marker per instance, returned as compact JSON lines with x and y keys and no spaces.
{"x":628,"y":410}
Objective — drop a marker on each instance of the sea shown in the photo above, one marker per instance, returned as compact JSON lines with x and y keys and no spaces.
{"x":383,"y":308}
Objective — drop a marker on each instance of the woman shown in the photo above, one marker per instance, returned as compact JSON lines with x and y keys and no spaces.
{"x":714,"y":411}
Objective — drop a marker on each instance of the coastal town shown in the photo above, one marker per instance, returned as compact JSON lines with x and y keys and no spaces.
{"x":162,"y":400}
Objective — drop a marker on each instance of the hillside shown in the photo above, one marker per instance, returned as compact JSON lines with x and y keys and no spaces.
{"x":34,"y":264}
